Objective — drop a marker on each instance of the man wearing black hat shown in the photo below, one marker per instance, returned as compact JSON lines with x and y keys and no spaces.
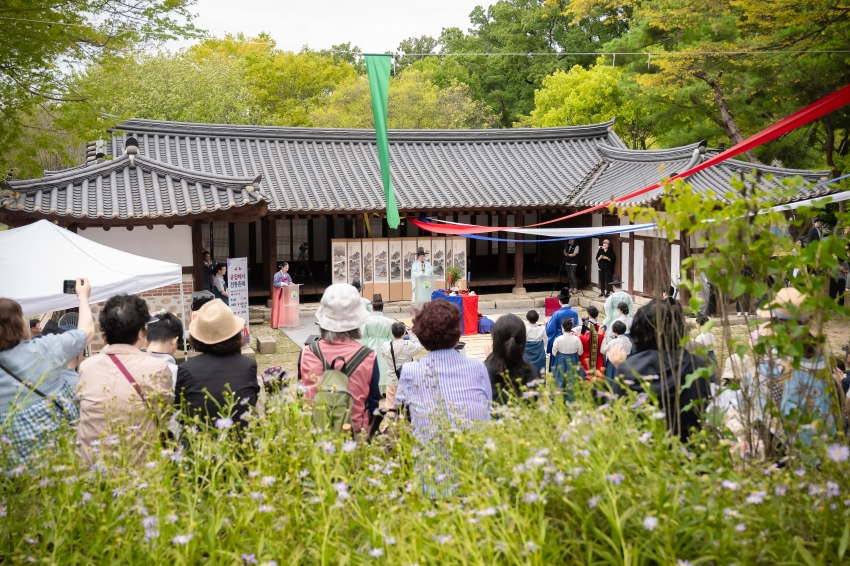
{"x":420,"y":267}
{"x":613,"y":301}
{"x":816,"y":232}
{"x":553,"y":327}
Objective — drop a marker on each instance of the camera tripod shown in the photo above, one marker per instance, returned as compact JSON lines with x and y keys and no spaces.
{"x":558,"y":282}
{"x":303,"y":269}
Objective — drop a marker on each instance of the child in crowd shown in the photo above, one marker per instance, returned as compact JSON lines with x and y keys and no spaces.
{"x":565,"y":362}
{"x":535,"y":341}
{"x":396,"y":353}
{"x":704,"y":340}
{"x":617,"y":335}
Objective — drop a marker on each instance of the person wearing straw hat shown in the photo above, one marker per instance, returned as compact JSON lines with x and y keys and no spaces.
{"x":613,"y":301}
{"x":221,"y":383}
{"x":420,"y":267}
{"x":340,"y":317}
{"x":553,"y":327}
{"x":376,"y":332}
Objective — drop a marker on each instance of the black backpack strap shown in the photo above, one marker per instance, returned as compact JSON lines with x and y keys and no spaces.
{"x":395,"y":366}
{"x":356,"y":360}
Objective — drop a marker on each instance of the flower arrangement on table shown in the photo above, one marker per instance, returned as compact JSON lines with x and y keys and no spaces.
{"x":453,"y":275}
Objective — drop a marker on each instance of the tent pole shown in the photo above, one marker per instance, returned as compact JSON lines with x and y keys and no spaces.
{"x":185,"y":320}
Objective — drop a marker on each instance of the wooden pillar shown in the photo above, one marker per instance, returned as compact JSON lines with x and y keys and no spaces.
{"x":197,"y":257}
{"x":503,"y":246}
{"x":252,"y":243}
{"x":359,"y":226}
{"x":268,"y":231}
{"x":519,"y":259}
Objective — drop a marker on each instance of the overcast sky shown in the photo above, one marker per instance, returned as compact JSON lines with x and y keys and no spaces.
{"x":373,"y":25}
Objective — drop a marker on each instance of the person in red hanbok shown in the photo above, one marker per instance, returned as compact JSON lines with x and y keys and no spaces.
{"x":592,"y":359}
{"x":281,"y":279}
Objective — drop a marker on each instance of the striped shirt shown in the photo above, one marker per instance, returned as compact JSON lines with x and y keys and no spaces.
{"x":445,"y":391}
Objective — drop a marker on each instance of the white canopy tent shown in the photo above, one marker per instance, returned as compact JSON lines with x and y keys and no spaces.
{"x":36,"y":259}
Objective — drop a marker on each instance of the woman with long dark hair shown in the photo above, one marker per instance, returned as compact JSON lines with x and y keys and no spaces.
{"x":506,"y":365}
{"x":658,"y":360}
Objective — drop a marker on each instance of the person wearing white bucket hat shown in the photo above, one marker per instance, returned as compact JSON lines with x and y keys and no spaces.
{"x":340,"y":316}
{"x":219,"y":384}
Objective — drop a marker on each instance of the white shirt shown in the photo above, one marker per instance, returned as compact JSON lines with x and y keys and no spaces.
{"x":704,"y":340}
{"x":421,"y":268}
{"x":535,"y":333}
{"x":621,"y":340}
{"x":404,"y":351}
{"x":567,"y":343}
{"x":627,"y":320}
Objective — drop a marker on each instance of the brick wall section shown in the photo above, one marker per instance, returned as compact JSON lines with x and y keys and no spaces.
{"x":167,"y":290}
{"x":167,"y":297}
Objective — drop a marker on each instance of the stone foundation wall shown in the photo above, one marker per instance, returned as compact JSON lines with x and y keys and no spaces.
{"x":167,"y":298}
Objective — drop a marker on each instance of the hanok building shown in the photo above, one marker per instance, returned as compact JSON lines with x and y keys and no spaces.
{"x":169,"y":190}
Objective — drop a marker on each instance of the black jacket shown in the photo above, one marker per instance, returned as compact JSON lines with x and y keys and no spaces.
{"x":677,"y":366}
{"x":606,"y":264}
{"x":224,"y":377}
{"x":813,"y":236}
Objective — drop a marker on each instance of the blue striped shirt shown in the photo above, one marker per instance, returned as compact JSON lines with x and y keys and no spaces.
{"x":445,"y":391}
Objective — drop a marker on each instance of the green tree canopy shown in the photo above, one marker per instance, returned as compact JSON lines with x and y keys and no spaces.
{"x":414,"y":103}
{"x":524,"y":27}
{"x":43,"y":38}
{"x":585,"y":96}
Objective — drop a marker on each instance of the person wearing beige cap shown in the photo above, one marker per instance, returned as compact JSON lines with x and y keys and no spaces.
{"x":220,"y":384}
{"x":340,"y":317}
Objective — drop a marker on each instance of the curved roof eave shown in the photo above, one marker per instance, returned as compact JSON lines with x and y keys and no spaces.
{"x":191,"y":129}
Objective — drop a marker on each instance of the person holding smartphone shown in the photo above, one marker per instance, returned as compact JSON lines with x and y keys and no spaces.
{"x":34,"y":396}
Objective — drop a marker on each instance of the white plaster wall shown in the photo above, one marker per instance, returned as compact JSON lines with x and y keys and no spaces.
{"x":596,"y":222}
{"x":624,"y":259}
{"x":675,"y":264}
{"x":638,"y":282}
{"x":624,"y":221}
{"x":165,"y":244}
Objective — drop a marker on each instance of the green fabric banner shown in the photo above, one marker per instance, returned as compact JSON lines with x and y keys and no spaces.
{"x":379,"y":67}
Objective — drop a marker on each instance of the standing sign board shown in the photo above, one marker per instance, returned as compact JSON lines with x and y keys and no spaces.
{"x":237,"y":287}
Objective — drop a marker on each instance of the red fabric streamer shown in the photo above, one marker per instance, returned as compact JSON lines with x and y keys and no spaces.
{"x":802,"y":117}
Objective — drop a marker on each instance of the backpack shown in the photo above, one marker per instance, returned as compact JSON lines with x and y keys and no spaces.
{"x":333,"y":402}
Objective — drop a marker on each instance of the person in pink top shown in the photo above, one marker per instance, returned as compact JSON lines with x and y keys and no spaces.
{"x":340,"y":316}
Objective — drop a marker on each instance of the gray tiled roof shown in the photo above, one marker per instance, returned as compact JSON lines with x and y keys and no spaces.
{"x":136,"y":187}
{"x":184,"y":169}
{"x":625,"y":170}
{"x":315,"y":170}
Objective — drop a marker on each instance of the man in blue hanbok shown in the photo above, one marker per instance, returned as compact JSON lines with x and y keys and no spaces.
{"x":553,"y":327}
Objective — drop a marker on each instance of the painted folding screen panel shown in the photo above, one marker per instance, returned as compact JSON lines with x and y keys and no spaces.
{"x":438,"y":257}
{"x":339,"y":253}
{"x":381,"y":270}
{"x":459,"y":250}
{"x":408,"y":247}
{"x":368,"y":268}
{"x":355,"y":268}
{"x":396,"y":269}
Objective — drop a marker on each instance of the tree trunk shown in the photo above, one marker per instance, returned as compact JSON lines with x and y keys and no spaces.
{"x":829,"y":149}
{"x":726,"y":121}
